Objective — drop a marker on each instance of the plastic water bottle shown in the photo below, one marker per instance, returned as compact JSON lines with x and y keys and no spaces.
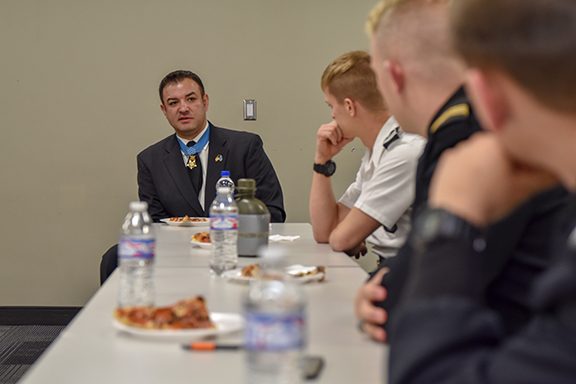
{"x":275,"y":333}
{"x":225,"y":181}
{"x":224,"y":231}
{"x":136,"y":258}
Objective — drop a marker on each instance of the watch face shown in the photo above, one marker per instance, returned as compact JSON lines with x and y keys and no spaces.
{"x":428,"y":226}
{"x":435,"y":223}
{"x":326,"y":169}
{"x":330,"y":168}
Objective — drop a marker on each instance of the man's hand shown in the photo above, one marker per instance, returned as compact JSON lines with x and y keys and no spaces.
{"x":329,"y":142}
{"x":370,"y":316}
{"x":358,"y":251}
{"x":479,"y":182}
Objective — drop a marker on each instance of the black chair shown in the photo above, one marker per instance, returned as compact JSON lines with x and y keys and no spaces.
{"x":108,"y":263}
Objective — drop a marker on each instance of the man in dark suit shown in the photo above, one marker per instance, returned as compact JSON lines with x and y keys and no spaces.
{"x":177,"y":175}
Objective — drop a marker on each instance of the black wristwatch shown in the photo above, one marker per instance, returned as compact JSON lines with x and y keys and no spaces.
{"x":436,"y":224}
{"x":326,"y":169}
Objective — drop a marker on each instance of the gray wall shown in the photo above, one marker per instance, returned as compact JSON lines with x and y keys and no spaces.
{"x":79,"y":101}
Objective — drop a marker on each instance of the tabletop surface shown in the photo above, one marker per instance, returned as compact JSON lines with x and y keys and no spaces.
{"x":175,"y":250}
{"x":92,"y":350}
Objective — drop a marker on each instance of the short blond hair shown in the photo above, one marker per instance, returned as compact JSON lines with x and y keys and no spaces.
{"x":386,"y":6}
{"x":417,"y":34}
{"x":350,"y":75}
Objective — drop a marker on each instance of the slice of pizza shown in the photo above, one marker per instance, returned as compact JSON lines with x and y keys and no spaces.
{"x":201,"y":237}
{"x":252,"y":271}
{"x":186,"y":314}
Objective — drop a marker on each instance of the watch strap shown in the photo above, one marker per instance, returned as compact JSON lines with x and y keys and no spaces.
{"x":327,"y":169}
{"x":437,"y":224}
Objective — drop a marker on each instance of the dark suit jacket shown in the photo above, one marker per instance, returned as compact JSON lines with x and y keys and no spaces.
{"x":164,"y":183}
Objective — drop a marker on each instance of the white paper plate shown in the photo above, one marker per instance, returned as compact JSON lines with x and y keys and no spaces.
{"x":200,"y":244}
{"x":225,"y":323}
{"x":203,"y":222}
{"x":235,"y":275}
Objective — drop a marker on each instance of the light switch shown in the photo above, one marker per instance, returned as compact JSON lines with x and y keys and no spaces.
{"x":249,"y":109}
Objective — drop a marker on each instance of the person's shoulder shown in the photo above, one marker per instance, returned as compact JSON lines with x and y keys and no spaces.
{"x":241,"y":139}
{"x":455,"y":131}
{"x":236,"y":134}
{"x":462,"y":124}
{"x":412,"y":139}
{"x":156,"y":147}
{"x":409,"y":146}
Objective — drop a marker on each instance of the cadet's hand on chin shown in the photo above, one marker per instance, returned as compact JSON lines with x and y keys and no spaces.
{"x":479,"y":182}
{"x":329,"y":141}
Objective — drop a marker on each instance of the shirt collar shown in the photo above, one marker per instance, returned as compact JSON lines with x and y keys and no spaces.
{"x":198,"y":136}
{"x":458,"y":97}
{"x":378,"y":148}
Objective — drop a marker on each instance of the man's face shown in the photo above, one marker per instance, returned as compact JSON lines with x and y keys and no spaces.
{"x":339,"y":113}
{"x":185,"y":107}
{"x":515,"y":117}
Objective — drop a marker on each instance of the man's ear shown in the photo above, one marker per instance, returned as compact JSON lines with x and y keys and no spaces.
{"x":163,"y":108}
{"x":396,"y":74}
{"x":205,"y":100}
{"x":350,"y":106}
{"x":489,"y":98}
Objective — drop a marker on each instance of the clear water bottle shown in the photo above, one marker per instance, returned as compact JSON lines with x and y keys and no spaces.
{"x":136,"y":258}
{"x":224,"y":231}
{"x":275,"y":333}
{"x":225,"y":181}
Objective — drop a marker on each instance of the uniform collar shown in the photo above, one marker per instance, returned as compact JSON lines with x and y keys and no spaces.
{"x":387,"y":132}
{"x":457,"y":106}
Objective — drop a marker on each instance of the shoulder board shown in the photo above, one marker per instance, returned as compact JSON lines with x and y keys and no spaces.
{"x":455,"y":112}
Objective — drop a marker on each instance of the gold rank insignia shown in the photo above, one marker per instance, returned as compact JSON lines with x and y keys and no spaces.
{"x":218,"y":158}
{"x":191,"y":163}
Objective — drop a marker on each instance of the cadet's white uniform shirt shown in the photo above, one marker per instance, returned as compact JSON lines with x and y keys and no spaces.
{"x":384,"y":186}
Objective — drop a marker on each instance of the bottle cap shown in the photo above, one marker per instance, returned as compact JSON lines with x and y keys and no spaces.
{"x":246,"y":184}
{"x":225,"y":173}
{"x":138,"y":206}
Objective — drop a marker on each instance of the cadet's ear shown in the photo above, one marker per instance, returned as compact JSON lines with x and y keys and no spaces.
{"x":396,"y":73}
{"x":488,"y":98}
{"x":350,"y":106}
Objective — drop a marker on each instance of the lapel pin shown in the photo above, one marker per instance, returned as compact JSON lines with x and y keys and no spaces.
{"x":218,"y":158}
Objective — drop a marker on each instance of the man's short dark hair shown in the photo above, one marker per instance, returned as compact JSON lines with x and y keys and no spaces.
{"x":532,"y":41}
{"x":176,"y":77}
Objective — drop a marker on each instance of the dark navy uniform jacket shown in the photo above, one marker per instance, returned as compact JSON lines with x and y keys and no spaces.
{"x":517,"y":245}
{"x":446,"y":333}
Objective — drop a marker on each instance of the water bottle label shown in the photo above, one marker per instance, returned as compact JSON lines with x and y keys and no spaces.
{"x":224,"y":222}
{"x":131,"y":248}
{"x":274,"y":332}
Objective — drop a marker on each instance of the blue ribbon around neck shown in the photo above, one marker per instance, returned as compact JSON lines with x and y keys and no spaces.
{"x":196,"y":148}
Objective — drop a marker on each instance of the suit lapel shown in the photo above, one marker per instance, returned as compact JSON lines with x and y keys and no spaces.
{"x":217,"y":159}
{"x":175,"y":167}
